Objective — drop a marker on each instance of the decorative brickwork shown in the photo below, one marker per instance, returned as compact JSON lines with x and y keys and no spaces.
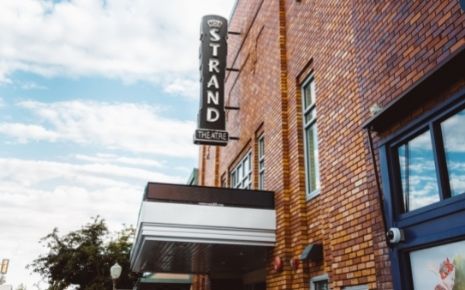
{"x":360,"y":53}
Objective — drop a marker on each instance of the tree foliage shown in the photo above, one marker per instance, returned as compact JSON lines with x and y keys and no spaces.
{"x":83,"y":258}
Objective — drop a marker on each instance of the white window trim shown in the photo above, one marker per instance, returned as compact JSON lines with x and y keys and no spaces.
{"x":318,"y":279}
{"x":316,"y":192}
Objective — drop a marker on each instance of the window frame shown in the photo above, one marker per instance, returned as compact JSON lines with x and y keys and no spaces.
{"x":441,"y":176}
{"x":319,"y":278}
{"x":436,"y":224}
{"x":429,"y":122}
{"x":240,"y":165}
{"x":311,"y":109}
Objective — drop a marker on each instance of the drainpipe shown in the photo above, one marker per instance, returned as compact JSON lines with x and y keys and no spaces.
{"x":378,"y":183}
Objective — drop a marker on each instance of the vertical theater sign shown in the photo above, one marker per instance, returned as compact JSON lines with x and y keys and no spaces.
{"x":213,"y":50}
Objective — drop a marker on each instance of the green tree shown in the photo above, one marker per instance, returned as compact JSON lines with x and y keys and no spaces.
{"x":83,"y":258}
{"x":21,"y":287}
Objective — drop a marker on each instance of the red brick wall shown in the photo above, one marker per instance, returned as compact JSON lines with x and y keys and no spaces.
{"x":404,"y":40}
{"x":360,"y":53}
{"x":321,"y":39}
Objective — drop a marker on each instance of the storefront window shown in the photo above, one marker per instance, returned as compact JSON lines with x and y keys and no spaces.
{"x":423,"y":173}
{"x":440,"y":267}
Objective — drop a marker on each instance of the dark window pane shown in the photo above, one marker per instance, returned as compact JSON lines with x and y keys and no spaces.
{"x":261,"y":181}
{"x":233,"y":179}
{"x":310,"y":116}
{"x":321,"y":285}
{"x":312,"y":159}
{"x":453,"y":131}
{"x":261,"y":148}
{"x":418,"y":172}
{"x":309,"y":91}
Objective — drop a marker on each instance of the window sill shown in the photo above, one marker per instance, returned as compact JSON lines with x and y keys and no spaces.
{"x":313,"y":194}
{"x":432,"y":211}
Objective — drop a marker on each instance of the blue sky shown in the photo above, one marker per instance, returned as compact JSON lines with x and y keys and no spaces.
{"x":96,"y":99}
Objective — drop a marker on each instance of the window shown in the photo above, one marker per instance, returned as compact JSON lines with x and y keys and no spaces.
{"x":453,"y":133}
{"x":241,"y":175}
{"x":310,"y":139}
{"x":430,"y":164}
{"x":419,"y":184}
{"x":445,"y":262}
{"x":261,"y":163}
{"x":319,"y":283}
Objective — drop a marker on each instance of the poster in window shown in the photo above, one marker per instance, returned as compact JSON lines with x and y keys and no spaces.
{"x":439,"y":268}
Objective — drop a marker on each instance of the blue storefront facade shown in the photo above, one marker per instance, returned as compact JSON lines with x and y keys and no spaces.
{"x":421,"y":163}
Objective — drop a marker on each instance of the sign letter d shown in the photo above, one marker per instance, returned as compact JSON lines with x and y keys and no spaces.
{"x":212,"y":115}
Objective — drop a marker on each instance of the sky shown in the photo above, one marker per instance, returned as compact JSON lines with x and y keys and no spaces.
{"x":97,"y":97}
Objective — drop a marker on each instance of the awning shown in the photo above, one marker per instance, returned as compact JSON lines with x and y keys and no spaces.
{"x":195,"y":229}
{"x":448,"y":72}
{"x":165,"y":281}
{"x":312,"y":252}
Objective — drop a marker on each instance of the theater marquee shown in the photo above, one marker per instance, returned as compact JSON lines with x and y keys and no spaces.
{"x":213,"y":50}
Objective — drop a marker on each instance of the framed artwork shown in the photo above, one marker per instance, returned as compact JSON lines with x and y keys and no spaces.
{"x":439,"y":268}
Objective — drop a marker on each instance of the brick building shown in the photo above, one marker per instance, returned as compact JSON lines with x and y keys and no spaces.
{"x":352,"y":113}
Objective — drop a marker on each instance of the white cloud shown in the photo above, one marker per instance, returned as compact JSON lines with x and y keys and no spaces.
{"x":423,"y":191}
{"x":454,"y":138}
{"x":419,"y":165}
{"x":184,"y":87}
{"x":421,"y":142}
{"x":131,"y":40}
{"x":37,"y":195}
{"x":111,"y":158}
{"x":37,"y":172}
{"x":137,"y":40}
{"x":458,"y":165}
{"x":4,"y":70}
{"x":457,"y":183}
{"x":127,"y":126}
{"x":27,"y":214}
{"x":25,"y":132}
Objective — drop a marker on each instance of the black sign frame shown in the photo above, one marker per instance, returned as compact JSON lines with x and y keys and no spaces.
{"x":213,"y":52}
